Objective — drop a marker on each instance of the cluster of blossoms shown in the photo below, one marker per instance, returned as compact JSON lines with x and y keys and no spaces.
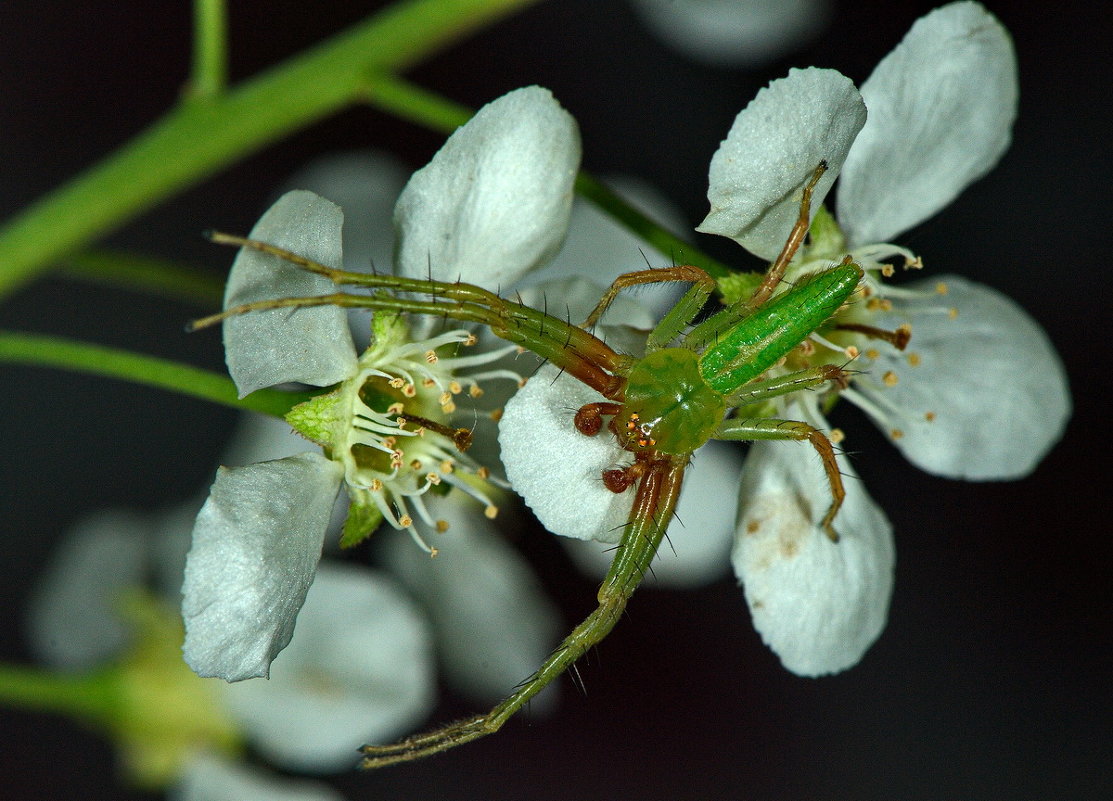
{"x":981,"y":394}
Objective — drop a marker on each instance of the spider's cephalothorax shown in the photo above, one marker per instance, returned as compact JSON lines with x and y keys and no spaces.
{"x":660,"y":408}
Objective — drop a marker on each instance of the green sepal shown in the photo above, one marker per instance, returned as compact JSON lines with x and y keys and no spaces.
{"x":316,"y":418}
{"x":362,"y":521}
{"x":738,"y":286}
{"x":388,"y":328}
{"x":827,"y":239}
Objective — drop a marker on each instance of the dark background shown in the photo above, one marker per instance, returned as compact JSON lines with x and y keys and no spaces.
{"x":988,"y":682}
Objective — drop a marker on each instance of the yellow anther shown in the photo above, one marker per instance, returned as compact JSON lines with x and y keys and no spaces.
{"x":914,"y":359}
{"x":395,"y":408}
{"x":433,"y":478}
{"x":397,"y":383}
{"x":376,"y":485}
{"x":447,"y":466}
{"x":941,"y":288}
{"x":433,"y":553}
{"x":448,"y":408}
{"x":929,"y":416}
{"x":491,"y":512}
{"x":887,"y":270}
{"x":445,"y":397}
{"x":475,"y":391}
{"x":890,"y":379}
{"x":496,"y":414}
{"x":952,"y":312}
{"x":401,"y":421}
{"x":471,"y":340}
{"x":852,"y":351}
{"x":914,"y":263}
{"x":431,"y":357}
{"x":896,"y":433}
{"x":441,"y":526}
{"x":483,"y":472}
{"x":416,"y":464}
{"x":405,"y":521}
{"x":837,"y":435}
{"x":873,"y":353}
{"x":409,"y":390}
{"x":428,"y":383}
{"x":455,"y":388}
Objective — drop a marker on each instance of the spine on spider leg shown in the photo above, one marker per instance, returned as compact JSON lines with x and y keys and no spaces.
{"x":741,"y":350}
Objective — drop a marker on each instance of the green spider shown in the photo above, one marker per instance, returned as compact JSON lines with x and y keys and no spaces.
{"x":661,"y":408}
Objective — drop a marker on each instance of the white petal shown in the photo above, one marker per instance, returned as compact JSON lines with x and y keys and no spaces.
{"x":941,"y":109}
{"x":255,"y":549}
{"x":734,"y":33}
{"x":990,"y":378}
{"x":494,"y":202}
{"x":556,"y":469}
{"x":365,"y":184}
{"x":777,"y":141}
{"x":599,"y":249}
{"x":212,"y":778}
{"x":697,"y":549}
{"x":311,"y":345}
{"x":818,"y":604}
{"x":72,"y":622}
{"x":359,"y":669}
{"x":494,"y":624}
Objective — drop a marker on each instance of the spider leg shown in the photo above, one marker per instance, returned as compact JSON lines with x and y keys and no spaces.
{"x":796,"y":237}
{"x":678,"y":317}
{"x":571,"y":348}
{"x":654,"y":503}
{"x":772,"y":429}
{"x":811,"y":378}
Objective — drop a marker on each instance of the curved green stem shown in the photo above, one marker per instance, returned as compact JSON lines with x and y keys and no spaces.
{"x":407,"y":101}
{"x":146,"y":274}
{"x":89,"y":696}
{"x":85,"y":357}
{"x":205,"y":133}
{"x":210,"y":48}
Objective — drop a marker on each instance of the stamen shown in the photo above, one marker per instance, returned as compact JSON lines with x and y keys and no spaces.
{"x":898,"y":338}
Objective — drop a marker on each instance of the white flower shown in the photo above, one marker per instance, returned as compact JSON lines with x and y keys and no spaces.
{"x":209,"y":777}
{"x":726,"y":33}
{"x":361,"y":667}
{"x":360,"y":670}
{"x":492,"y":204}
{"x":987,"y":399}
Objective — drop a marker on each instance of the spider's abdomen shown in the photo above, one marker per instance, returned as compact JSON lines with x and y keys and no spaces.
{"x":669,"y":407}
{"x":752,"y":345}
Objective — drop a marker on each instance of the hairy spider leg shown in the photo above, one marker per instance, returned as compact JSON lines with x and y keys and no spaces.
{"x":572,"y":349}
{"x":654,"y":503}
{"x":678,"y":316}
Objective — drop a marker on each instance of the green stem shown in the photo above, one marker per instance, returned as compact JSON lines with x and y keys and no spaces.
{"x":90,"y":696}
{"x":407,"y":101}
{"x":84,"y":357}
{"x":145,"y":274}
{"x":203,"y":134}
{"x":210,"y":49}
